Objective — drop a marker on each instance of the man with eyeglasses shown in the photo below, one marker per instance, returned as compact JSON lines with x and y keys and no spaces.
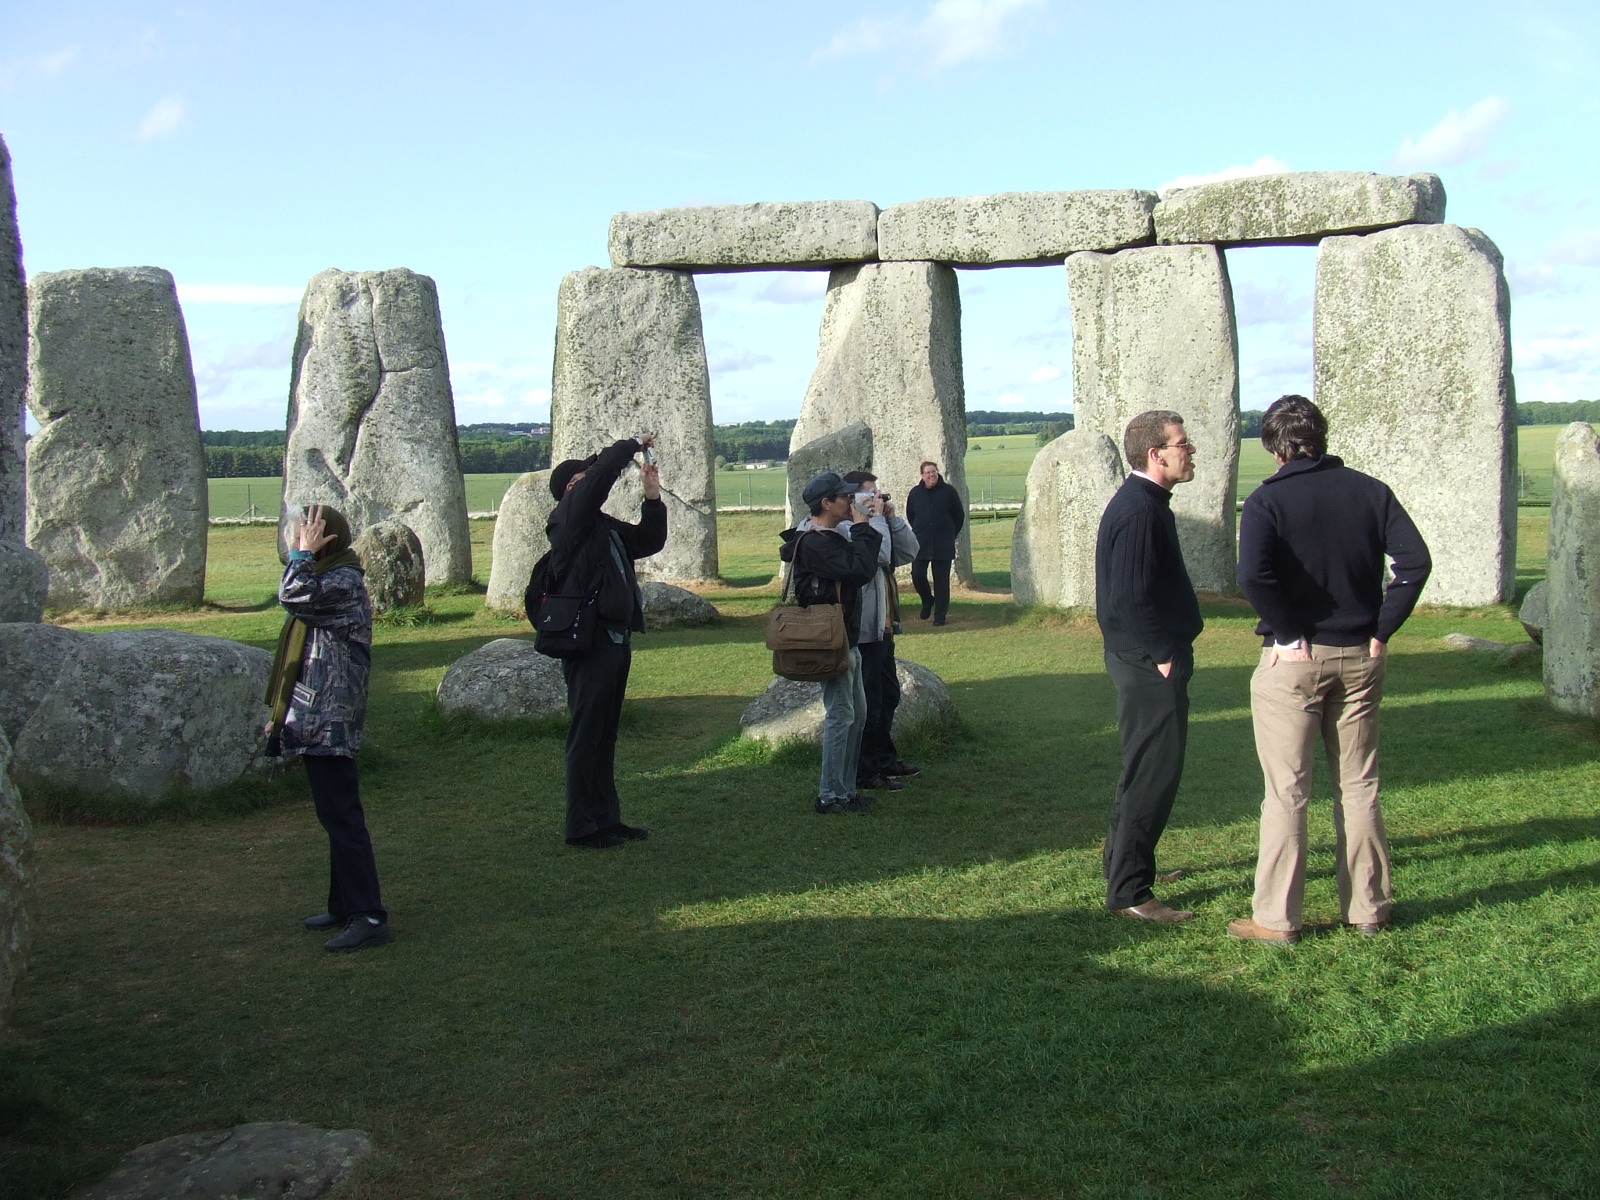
{"x":1314,"y":543}
{"x":1149,"y":619}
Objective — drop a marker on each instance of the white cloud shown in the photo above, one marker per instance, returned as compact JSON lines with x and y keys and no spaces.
{"x":37,"y":66}
{"x":1569,"y":351}
{"x":723,"y":361}
{"x":795,"y":287}
{"x":1045,"y":374}
{"x":1265,"y":165}
{"x":951,"y":32}
{"x":237,"y":293}
{"x":1580,"y":248}
{"x":1456,"y":139}
{"x":161,"y":120}
{"x":1278,"y":304}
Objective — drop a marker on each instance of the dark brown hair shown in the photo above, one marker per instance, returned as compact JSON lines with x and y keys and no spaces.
{"x":1147,"y":432}
{"x":1294,"y":428}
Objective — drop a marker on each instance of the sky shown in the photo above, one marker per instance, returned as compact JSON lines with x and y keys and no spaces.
{"x":244,"y":148}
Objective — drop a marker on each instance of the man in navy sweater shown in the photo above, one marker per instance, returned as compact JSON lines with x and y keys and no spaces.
{"x":1313,"y":541}
{"x":1149,"y":619}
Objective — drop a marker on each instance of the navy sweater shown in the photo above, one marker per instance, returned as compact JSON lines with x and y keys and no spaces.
{"x":1313,"y":541}
{"x":1143,"y":597}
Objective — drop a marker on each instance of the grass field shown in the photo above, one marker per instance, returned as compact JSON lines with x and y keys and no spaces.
{"x":757,"y":1002}
{"x":997,"y":471}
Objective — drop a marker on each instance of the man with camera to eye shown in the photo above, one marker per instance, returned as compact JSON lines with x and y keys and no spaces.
{"x":830,"y":566}
{"x":879,"y":765}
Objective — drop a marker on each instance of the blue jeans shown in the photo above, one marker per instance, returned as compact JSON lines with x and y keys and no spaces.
{"x":844,"y":701}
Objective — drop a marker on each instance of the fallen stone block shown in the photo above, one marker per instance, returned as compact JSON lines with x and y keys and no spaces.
{"x":1014,"y":228}
{"x":506,"y":680}
{"x":1299,"y":208}
{"x":1534,"y":613}
{"x":1506,"y":652}
{"x":24,"y":582}
{"x":268,"y":1160}
{"x":842,"y":451}
{"x":733,"y":237}
{"x":789,"y":709}
{"x":669,"y":607}
{"x":391,"y":557}
{"x":31,"y":658}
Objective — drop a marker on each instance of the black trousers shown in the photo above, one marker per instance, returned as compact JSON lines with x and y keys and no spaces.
{"x":882,"y":686}
{"x":596,"y":684}
{"x":1153,"y":723}
{"x":352,"y":869}
{"x":939,"y":594}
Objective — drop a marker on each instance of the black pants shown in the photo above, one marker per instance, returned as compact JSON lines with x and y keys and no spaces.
{"x":352,"y":869}
{"x":939,"y":595}
{"x":1153,"y":722}
{"x":595,"y":687}
{"x":882,"y":686}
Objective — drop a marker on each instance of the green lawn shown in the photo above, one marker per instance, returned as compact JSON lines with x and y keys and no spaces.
{"x":758,"y":1002}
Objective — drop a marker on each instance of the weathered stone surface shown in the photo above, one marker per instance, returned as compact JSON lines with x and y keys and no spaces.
{"x":669,"y":607}
{"x":24,"y":582}
{"x":1153,"y":328}
{"x":267,"y":1160}
{"x":1572,"y":597}
{"x":788,"y":709}
{"x":1413,"y":351}
{"x":1014,"y":227}
{"x":372,"y":420}
{"x":138,"y":717}
{"x":842,"y":451}
{"x":1052,"y":550}
{"x":16,"y":884}
{"x":889,"y":354}
{"x":13,"y":363}
{"x":31,"y":658}
{"x":519,"y":540}
{"x":631,"y":359}
{"x":116,"y":474}
{"x":732,"y":237}
{"x":1534,"y":613}
{"x":396,"y":572}
{"x":1298,"y":208}
{"x":505,"y":680}
{"x":1506,"y":653}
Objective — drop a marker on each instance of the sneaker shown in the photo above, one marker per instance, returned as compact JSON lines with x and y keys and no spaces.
{"x":359,"y":934}
{"x":902,"y":768}
{"x":853,"y":805}
{"x":882,"y":781}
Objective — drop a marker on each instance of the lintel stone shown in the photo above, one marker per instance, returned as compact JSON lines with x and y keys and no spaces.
{"x":1297,"y":208}
{"x":747,"y":237}
{"x":1014,"y":228}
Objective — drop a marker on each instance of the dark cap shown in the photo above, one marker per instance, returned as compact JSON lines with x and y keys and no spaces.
{"x":562,"y":475}
{"x":824,"y":486}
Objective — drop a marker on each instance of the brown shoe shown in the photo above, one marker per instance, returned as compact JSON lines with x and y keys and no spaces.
{"x":1246,"y":930}
{"x":1153,"y":910}
{"x":1372,"y":928}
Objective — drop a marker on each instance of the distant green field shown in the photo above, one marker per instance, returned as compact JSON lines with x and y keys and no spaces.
{"x":997,"y":471}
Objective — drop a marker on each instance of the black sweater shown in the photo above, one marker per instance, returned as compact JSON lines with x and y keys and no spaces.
{"x":936,"y":515}
{"x":1143,"y":597}
{"x":1313,"y":541}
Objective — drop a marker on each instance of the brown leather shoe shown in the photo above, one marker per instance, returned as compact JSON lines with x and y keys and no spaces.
{"x":1246,"y":930}
{"x":1153,"y":910}
{"x":1372,"y":928}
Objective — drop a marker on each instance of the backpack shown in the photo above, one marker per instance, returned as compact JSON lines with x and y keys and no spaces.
{"x":564,"y":625}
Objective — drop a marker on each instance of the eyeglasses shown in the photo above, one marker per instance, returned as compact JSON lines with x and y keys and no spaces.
{"x":1186,"y":444}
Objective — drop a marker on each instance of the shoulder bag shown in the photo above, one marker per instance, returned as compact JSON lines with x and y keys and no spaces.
{"x":808,"y":644}
{"x":564,"y":625}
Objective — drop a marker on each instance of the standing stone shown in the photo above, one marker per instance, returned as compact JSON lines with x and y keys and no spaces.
{"x":889,"y":354}
{"x":519,"y":539}
{"x":1412,"y":353}
{"x":1572,"y":595}
{"x":1296,"y":209}
{"x":16,"y":884}
{"x":631,"y":359}
{"x":13,"y":362}
{"x":844,"y":450}
{"x":24,"y":582}
{"x":1535,"y":611}
{"x":117,"y":473}
{"x":1153,"y":328}
{"x":372,"y":421}
{"x":395,"y":569}
{"x":733,"y":237}
{"x":1014,"y":228}
{"x":1052,"y":551}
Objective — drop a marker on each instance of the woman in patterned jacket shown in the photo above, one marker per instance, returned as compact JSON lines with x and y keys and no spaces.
{"x":318,"y":693}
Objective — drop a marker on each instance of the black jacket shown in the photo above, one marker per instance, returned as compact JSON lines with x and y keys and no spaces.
{"x":582,"y":539}
{"x":826,"y":557}
{"x":1313,"y":542}
{"x":1143,"y":597}
{"x":936,"y":515}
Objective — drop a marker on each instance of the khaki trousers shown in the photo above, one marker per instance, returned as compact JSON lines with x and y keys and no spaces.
{"x":1335,"y":695}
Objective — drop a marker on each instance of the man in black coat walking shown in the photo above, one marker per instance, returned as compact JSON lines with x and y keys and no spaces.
{"x":937,"y":513}
{"x":594,"y":552}
{"x":1149,"y":618}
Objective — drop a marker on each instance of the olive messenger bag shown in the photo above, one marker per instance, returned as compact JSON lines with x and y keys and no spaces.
{"x":808,"y":644}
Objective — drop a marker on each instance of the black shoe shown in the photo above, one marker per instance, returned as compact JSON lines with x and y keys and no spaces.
{"x":882,"y":781}
{"x":854,"y":805}
{"x":927,"y":610}
{"x":859,"y":805}
{"x":631,"y":833}
{"x":600,"y":839}
{"x":901,"y":768}
{"x":323,"y":921}
{"x":938,"y":620}
{"x":359,"y":934}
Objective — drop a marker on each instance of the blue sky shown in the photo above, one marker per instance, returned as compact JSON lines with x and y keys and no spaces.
{"x":244,"y":148}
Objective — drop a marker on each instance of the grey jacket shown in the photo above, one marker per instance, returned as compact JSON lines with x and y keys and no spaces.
{"x":328,"y":712}
{"x":897,"y":546}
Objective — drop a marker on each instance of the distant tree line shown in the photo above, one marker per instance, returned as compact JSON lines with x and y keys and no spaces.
{"x":752,"y":441}
{"x":1557,"y":412}
{"x":486,"y":449}
{"x":982,"y":423}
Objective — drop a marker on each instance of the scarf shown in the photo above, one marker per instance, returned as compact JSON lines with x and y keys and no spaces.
{"x":291,"y":652}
